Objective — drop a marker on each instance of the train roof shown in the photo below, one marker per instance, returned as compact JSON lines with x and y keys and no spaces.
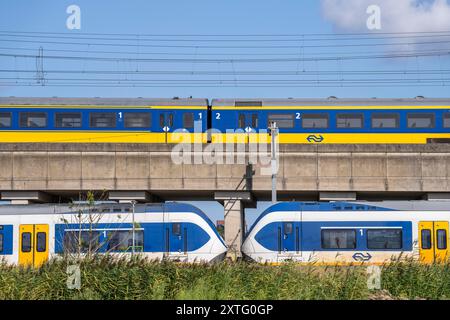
{"x":103,"y":101}
{"x":331,"y":101}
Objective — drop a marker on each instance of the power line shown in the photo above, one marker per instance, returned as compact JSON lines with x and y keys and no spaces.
{"x":231,"y":60}
{"x":143,"y":39}
{"x":239,"y":35}
{"x":340,"y":45}
{"x":165,"y":53}
{"x":312,"y":85}
{"x":240,"y":72}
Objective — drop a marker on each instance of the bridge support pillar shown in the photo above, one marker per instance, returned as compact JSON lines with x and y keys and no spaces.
{"x":234,"y":217}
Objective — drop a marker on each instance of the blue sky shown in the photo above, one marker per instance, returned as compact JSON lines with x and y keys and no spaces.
{"x":218,"y":17}
{"x":204,"y":17}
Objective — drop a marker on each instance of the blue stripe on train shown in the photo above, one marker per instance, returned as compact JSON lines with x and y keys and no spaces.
{"x":155,"y":121}
{"x":229,"y":119}
{"x":317,"y":206}
{"x":310,"y":235}
{"x":154,"y":235}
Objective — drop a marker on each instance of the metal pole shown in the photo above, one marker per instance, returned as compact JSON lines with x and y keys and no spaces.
{"x":133,"y":202}
{"x":274,"y":133}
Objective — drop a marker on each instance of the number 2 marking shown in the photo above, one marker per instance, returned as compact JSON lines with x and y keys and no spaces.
{"x":217,"y":116}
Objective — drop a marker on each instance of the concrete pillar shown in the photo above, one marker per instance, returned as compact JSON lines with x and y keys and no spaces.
{"x":234,"y":227}
{"x":234,"y":205}
{"x":337,"y":196}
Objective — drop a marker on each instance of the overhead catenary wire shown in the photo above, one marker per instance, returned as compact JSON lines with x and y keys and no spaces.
{"x":179,"y":67}
{"x":233,"y":60}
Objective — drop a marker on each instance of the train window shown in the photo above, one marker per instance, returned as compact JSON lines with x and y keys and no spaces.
{"x":315,"y":121}
{"x":165,"y":119}
{"x":441,"y":239}
{"x":188,"y":120}
{"x":426,"y":239}
{"x":241,"y":121}
{"x":68,"y":120}
{"x":420,"y":120}
{"x":26,"y":242}
{"x":282,"y":120}
{"x":384,"y":239}
{"x":338,"y":239}
{"x":176,"y":229}
{"x":1,"y":242}
{"x":446,"y":120}
{"x":385,"y":120}
{"x":288,"y":226}
{"x":41,"y":242}
{"x":32,"y":119}
{"x":137,"y":119}
{"x":349,"y":121}
{"x":84,"y":241}
{"x":102,"y":119}
{"x":5,"y":119}
{"x":254,"y":120}
{"x":123,"y":240}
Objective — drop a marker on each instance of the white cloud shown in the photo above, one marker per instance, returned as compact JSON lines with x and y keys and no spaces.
{"x":396,"y":15}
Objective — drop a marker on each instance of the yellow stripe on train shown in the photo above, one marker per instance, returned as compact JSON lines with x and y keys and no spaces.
{"x":99,"y":137}
{"x":331,"y":138}
{"x":154,"y":137}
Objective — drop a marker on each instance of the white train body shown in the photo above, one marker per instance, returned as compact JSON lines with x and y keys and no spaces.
{"x":32,"y":234}
{"x":329,"y":233}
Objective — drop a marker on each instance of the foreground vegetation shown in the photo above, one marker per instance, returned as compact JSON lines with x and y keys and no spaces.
{"x":103,"y":278}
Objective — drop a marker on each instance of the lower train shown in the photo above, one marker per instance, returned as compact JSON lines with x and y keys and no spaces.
{"x":33,"y":234}
{"x":303,"y":232}
{"x":343,"y":233}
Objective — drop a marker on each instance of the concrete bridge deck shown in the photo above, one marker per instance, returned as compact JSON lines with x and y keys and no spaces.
{"x":305,"y":172}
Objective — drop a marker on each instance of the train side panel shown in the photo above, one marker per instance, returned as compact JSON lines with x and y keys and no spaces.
{"x":329,"y":237}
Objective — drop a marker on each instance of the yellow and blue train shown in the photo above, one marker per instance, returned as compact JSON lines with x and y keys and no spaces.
{"x":300,"y":121}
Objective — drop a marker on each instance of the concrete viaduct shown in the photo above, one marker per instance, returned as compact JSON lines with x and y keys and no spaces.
{"x":59,"y":172}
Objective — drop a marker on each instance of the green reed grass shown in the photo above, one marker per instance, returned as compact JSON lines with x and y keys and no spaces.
{"x":107,"y":278}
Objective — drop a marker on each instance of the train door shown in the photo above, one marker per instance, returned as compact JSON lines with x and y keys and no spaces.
{"x":33,"y":244}
{"x":176,"y":240}
{"x":248,"y":121}
{"x":433,"y":241}
{"x":166,"y":123}
{"x":289,"y":241}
